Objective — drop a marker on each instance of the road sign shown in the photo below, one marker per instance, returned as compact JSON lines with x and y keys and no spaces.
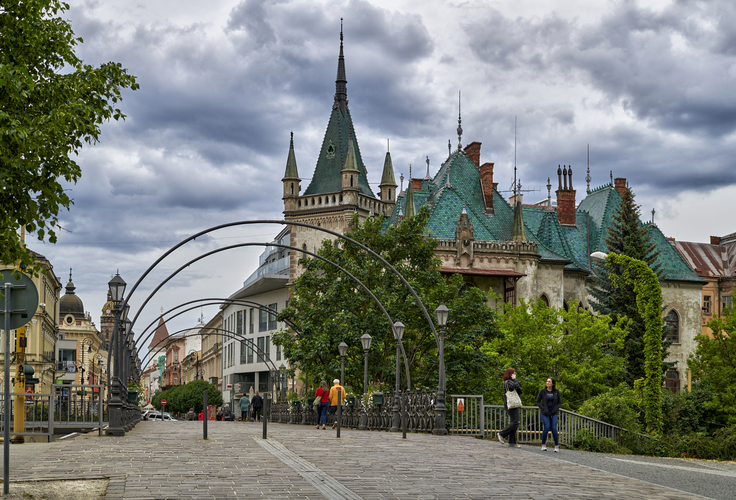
{"x":163,"y":402}
{"x":25,"y":299}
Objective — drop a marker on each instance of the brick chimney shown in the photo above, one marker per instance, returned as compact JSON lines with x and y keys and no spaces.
{"x":416,"y":184}
{"x":486,"y":185}
{"x":715,"y":240}
{"x":473,"y":152}
{"x":565,"y":197}
{"x":620,"y":184}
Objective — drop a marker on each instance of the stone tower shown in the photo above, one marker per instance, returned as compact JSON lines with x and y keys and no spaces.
{"x":339,"y":187}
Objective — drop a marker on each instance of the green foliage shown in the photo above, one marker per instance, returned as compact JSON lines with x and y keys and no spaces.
{"x":579,"y":349}
{"x":182,"y":397}
{"x":584,"y":440}
{"x":328,"y":308}
{"x":627,"y":270}
{"x":51,"y":103}
{"x":618,"y":406}
{"x":714,"y":363}
{"x":627,"y":236}
{"x":686,"y":412}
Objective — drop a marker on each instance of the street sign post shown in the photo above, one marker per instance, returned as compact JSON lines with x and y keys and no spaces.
{"x":21,"y":302}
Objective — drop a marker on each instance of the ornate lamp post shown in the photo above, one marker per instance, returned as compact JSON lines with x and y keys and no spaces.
{"x":343,"y":349}
{"x":439,"y":408}
{"x":282,"y":382}
{"x":365,"y":340}
{"x":398,"y":335}
{"x":115,"y":406}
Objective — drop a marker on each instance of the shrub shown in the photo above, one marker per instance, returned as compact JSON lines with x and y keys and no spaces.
{"x":618,"y":406}
{"x":584,"y":440}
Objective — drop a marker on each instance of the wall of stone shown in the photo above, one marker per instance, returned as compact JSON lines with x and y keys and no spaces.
{"x":685,"y":299}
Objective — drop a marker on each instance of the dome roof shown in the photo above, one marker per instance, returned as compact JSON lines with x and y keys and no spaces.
{"x":70,"y":303}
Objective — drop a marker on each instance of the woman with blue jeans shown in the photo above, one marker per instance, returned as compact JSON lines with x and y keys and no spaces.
{"x":324,"y":397}
{"x":548,"y":401}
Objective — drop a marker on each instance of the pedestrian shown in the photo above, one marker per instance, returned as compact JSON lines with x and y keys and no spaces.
{"x":257,"y":404}
{"x":548,"y":401}
{"x":227,"y":413}
{"x":323,"y":394}
{"x":244,"y":407}
{"x":191,"y":415}
{"x":510,"y":384}
{"x":201,"y":415}
{"x":334,"y":401}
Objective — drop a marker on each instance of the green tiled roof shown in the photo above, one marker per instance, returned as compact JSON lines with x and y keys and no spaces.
{"x":671,"y":262}
{"x":327,"y":177}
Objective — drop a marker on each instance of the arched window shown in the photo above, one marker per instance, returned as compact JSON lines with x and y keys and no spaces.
{"x":351,"y":181}
{"x":672,"y":321}
{"x":672,"y":380}
{"x":292,"y":188}
{"x":389,"y":195}
{"x":544,"y":299}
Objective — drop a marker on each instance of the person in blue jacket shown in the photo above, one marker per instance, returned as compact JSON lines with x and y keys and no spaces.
{"x":548,"y":401}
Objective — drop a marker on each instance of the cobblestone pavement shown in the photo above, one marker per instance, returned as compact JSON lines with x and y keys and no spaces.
{"x":170,"y":460}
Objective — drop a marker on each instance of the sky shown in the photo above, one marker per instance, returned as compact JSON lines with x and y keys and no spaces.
{"x":648,"y":86}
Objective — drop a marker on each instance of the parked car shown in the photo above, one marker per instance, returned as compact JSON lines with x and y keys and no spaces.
{"x":157,"y":416}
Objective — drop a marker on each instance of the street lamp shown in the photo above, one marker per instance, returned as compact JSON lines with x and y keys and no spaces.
{"x":398,"y":335}
{"x":440,"y":410}
{"x":366,"y":341}
{"x":343,"y":349}
{"x":115,"y":406}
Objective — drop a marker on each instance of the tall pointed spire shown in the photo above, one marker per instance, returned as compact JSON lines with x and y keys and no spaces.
{"x":411,"y":209}
{"x":518,"y":233}
{"x":291,"y":170}
{"x":341,"y":89}
{"x":459,"y":125}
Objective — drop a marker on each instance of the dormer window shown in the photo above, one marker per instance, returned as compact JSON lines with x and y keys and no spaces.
{"x":330,"y":151}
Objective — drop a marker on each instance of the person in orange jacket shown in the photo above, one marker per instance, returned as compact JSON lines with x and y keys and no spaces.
{"x":333,"y":398}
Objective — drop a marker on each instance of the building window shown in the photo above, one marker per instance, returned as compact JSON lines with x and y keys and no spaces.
{"x":268,"y":348}
{"x":243,"y":353}
{"x":672,"y":321}
{"x":252,"y":319}
{"x":727,"y":302}
{"x":672,"y":381}
{"x":261,"y":348}
{"x":68,"y":360}
{"x":706,"y":304}
{"x":263,"y":321}
{"x":239,"y":330}
{"x":278,"y":353}
{"x":176,"y":356}
{"x":544,"y":299}
{"x":509,"y":291}
{"x":272,"y":317}
{"x":250,"y":351}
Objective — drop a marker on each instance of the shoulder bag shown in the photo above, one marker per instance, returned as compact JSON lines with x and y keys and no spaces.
{"x":513,"y":400}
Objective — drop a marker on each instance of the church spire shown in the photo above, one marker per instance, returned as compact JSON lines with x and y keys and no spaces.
{"x":291,"y":170}
{"x":518,"y":233}
{"x":341,"y":89}
{"x":291,"y":177}
{"x":388,"y":181}
{"x":411,"y":209}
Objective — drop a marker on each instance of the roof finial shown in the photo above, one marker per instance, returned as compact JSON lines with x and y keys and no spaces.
{"x":402,"y":182}
{"x":587,"y":177}
{"x":388,"y":145}
{"x":291,"y":144}
{"x":459,"y":124}
{"x":464,"y":211}
{"x":70,"y":274}
{"x":427,"y":176}
{"x":341,"y":91}
{"x":611,"y":177}
{"x":653,"y":212}
{"x":549,"y":193}
{"x":449,"y":147}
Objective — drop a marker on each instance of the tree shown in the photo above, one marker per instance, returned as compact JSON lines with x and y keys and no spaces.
{"x":714,"y":364}
{"x":50,"y":104}
{"x":328,"y":308}
{"x":627,"y":237}
{"x":580,"y":350}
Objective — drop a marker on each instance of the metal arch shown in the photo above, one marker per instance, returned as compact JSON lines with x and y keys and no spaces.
{"x":187,"y":310}
{"x":239,"y":245}
{"x":285,"y":223}
{"x":232,"y":335}
{"x":216,"y":301}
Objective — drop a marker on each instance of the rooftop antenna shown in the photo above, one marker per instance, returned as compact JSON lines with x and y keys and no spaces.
{"x":459,"y":125}
{"x":516,"y":184}
{"x":587,"y":177}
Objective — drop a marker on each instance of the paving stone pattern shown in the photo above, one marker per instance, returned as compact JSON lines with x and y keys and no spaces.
{"x":170,"y":460}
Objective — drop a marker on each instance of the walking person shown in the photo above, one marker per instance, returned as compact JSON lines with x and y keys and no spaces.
{"x":548,"y":401}
{"x":334,"y":402}
{"x":324,"y":402}
{"x":257,"y":404}
{"x":244,"y":404}
{"x":191,"y":415}
{"x":510,"y":385}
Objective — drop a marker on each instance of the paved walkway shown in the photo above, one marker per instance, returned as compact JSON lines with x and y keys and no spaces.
{"x":170,"y":460}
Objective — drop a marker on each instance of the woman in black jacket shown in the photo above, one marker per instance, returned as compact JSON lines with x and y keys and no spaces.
{"x":548,"y":401}
{"x":510,"y":384}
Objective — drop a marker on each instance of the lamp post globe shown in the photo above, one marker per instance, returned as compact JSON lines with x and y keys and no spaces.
{"x":343,"y":350}
{"x":117,"y":288}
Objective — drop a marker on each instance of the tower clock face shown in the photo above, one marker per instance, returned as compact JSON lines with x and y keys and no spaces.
{"x":107,"y":311}
{"x":69,"y":319}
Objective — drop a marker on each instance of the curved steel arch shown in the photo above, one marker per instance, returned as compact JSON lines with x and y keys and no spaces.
{"x":285,"y":223}
{"x":239,"y":245}
{"x":187,"y":310}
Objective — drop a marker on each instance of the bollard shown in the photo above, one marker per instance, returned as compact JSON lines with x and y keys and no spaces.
{"x":204,"y":413}
{"x":266,"y":411}
{"x":403,"y":415}
{"x":339,"y":411}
